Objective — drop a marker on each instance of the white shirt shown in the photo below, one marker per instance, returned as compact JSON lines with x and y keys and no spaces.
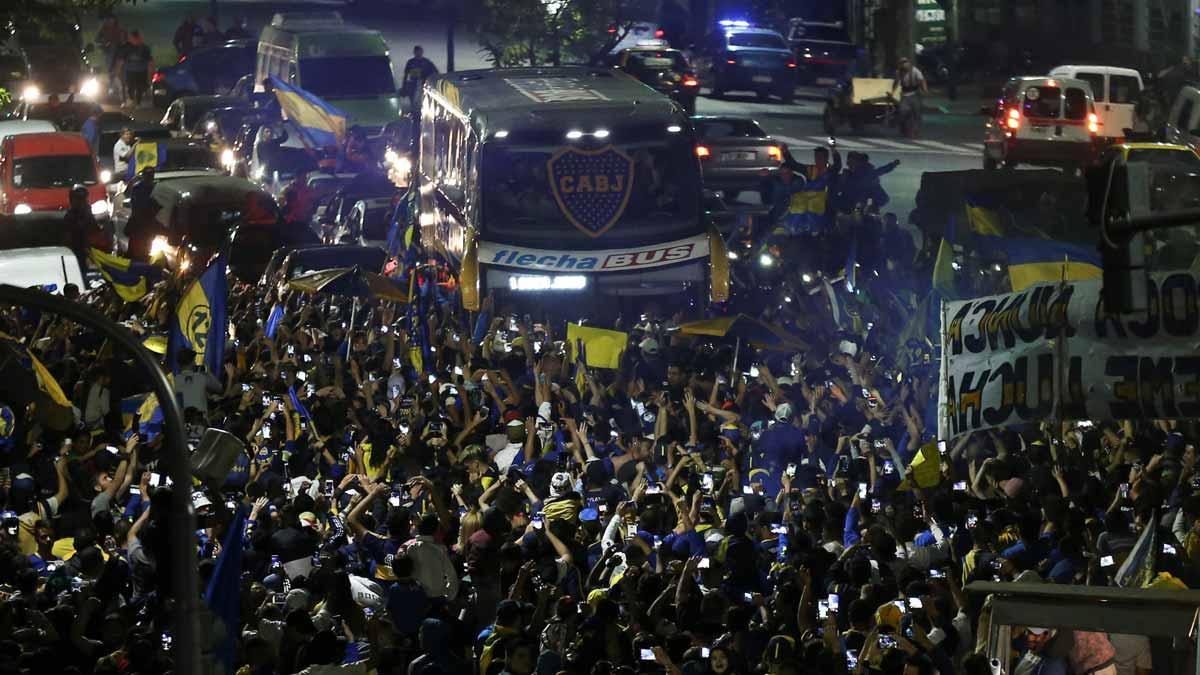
{"x":122,"y":153}
{"x":504,"y":457}
{"x":432,"y":567}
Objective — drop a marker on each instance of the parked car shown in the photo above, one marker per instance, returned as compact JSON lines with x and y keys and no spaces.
{"x":183,"y":113}
{"x":201,"y":210}
{"x":214,"y":69}
{"x":18,"y":127}
{"x":824,"y":52}
{"x":740,"y":57}
{"x":38,"y":170}
{"x":665,"y":70}
{"x":66,"y":116}
{"x":367,"y":223}
{"x":49,"y":268}
{"x":734,"y":152}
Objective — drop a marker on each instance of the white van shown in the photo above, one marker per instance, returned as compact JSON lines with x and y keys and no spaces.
{"x":50,"y":268}
{"x":347,"y":66}
{"x":19,"y":127}
{"x":1043,"y":121}
{"x":1115,"y":92}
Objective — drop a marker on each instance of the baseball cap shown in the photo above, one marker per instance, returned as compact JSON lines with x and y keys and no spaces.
{"x":1036,"y":630}
{"x":560,"y":484}
{"x":783,"y":412}
{"x":309,"y":519}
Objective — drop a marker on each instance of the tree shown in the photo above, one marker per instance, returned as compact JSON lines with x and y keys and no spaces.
{"x":24,"y":14}
{"x":549,"y":32}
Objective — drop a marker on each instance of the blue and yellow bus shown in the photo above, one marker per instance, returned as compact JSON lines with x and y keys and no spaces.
{"x":563,"y":179}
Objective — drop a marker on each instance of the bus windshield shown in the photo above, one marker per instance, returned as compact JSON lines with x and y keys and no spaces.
{"x":520,"y":205}
{"x":348,"y":76}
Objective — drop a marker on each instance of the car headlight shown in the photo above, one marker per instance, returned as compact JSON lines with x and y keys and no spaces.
{"x":228,"y":160}
{"x":22,"y":209}
{"x":30,"y":92}
{"x":259,"y":172}
{"x":404,"y":165}
{"x":90,"y":88}
{"x":105,"y":176}
{"x":159,"y":246}
{"x":100,"y":208}
{"x":766,"y":260}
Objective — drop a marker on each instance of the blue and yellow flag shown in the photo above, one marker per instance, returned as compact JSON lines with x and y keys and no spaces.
{"x":146,"y":155}
{"x":131,"y":280}
{"x":200,"y":320}
{"x":1040,"y":261}
{"x":320,"y":124}
{"x":984,"y":215}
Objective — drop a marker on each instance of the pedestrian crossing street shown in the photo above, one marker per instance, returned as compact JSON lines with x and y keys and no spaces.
{"x":885,"y":146}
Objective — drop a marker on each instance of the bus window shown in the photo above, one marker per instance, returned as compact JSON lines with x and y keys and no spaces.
{"x":348,"y":76}
{"x":520,"y":202}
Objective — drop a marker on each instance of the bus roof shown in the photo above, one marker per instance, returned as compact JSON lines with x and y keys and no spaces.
{"x":501,"y":98}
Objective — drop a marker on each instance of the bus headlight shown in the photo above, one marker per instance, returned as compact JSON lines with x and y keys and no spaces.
{"x":30,"y":92}
{"x":100,"y":208}
{"x":541,"y":282}
{"x":90,"y":88}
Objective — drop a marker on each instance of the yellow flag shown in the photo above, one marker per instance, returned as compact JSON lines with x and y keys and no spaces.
{"x":145,"y":156}
{"x":603,"y":348}
{"x":925,"y":470}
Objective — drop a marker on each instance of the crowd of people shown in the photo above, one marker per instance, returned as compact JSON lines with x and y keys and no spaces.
{"x":464,"y":494}
{"x":428,"y":491}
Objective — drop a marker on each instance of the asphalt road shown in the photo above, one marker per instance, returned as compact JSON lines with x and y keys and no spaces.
{"x":948,"y":142}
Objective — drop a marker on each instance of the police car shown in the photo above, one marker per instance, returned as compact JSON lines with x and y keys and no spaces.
{"x":740,"y":57}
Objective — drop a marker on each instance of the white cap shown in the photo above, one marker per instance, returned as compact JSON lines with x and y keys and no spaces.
{"x":649,"y":345}
{"x":560,"y":484}
{"x":783,"y":412}
{"x":848,"y":347}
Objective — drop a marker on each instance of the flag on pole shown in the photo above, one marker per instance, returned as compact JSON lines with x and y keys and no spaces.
{"x":320,"y":124}
{"x":223,"y":595}
{"x":1138,"y":568}
{"x":200,"y":320}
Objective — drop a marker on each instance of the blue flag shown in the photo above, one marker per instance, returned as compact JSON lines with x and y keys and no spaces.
{"x":223,"y":595}
{"x":299,"y":405}
{"x":200,"y":320}
{"x":273,"y":320}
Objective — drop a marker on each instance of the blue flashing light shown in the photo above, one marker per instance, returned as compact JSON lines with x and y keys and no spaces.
{"x":734,"y":23}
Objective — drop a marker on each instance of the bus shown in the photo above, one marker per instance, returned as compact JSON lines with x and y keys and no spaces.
{"x":346,"y":65}
{"x":573,"y":178}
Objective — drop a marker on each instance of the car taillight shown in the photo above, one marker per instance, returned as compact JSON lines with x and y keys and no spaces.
{"x":690,"y":81}
{"x":1014,"y":118}
{"x":658,"y":33}
{"x":775,"y":152}
{"x":183,"y":58}
{"x":703,"y":151}
{"x":731,"y":62}
{"x":612,"y":30}
{"x":1093,"y":123}
{"x":156,"y":77}
{"x":791,"y":63}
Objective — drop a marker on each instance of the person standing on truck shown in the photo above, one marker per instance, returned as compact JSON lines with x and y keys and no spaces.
{"x":913,"y":87}
{"x":416,"y":71}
